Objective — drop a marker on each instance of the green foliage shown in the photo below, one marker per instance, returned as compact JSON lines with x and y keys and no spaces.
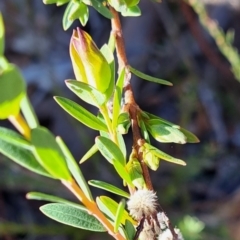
{"x":119,"y":214}
{"x":149,"y":78}
{"x":108,"y":187}
{"x":72,"y":216}
{"x":10,"y":97}
{"x":87,"y":93}
{"x":46,"y":197}
{"x":110,"y":150}
{"x":110,"y":207}
{"x":97,"y":85}
{"x":20,"y":151}
{"x":48,"y":153}
{"x":74,"y":168}
{"x":81,"y":114}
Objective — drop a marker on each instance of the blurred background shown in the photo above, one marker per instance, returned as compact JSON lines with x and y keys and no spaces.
{"x":168,"y":42}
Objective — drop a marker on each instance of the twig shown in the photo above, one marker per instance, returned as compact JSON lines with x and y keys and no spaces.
{"x":131,"y":105}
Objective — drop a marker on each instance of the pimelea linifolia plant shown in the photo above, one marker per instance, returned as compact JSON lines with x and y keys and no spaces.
{"x":139,"y":214}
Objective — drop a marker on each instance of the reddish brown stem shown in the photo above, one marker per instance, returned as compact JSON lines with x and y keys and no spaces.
{"x":130,"y":104}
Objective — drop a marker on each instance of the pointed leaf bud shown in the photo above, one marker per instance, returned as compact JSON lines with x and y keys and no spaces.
{"x":89,"y":64}
{"x":135,"y":172}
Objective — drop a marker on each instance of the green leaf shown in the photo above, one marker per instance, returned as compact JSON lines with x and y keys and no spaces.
{"x":48,"y":153}
{"x":147,"y":116}
{"x":72,"y":216}
{"x":133,"y":11}
{"x":10,"y":97}
{"x":131,"y":3}
{"x":66,"y":21}
{"x":163,"y":155}
{"x":109,"y":150}
{"x":123,"y":123}
{"x":122,"y":172}
{"x":51,"y":198}
{"x":165,"y":133}
{"x":89,"y":153}
{"x":117,"y":98}
{"x":112,"y":207}
{"x":135,"y":172}
{"x":84,"y":14}
{"x":74,"y":168}
{"x":119,"y":214}
{"x":144,"y":131}
{"x":86,"y":92}
{"x":104,"y":209}
{"x":122,"y":144}
{"x":191,"y":138}
{"x":148,"y":78}
{"x":100,"y":8}
{"x":29,"y":113}
{"x":119,"y":5}
{"x":108,"y":187}
{"x":81,"y":114}
{"x":130,"y":230}
{"x":22,"y":156}
{"x":14,"y":138}
{"x":107,"y":53}
{"x":2,"y":32}
{"x":62,"y":2}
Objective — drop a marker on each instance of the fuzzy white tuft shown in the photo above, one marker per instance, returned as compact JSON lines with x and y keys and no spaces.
{"x":142,"y":203}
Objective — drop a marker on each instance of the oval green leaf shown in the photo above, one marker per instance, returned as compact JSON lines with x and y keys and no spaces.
{"x":72,"y":216}
{"x":164,"y":156}
{"x":109,"y":150}
{"x":10,"y":96}
{"x":134,"y":11}
{"x":99,"y":6}
{"x":165,"y":133}
{"x":84,"y":14}
{"x":14,"y":138}
{"x":50,"y":198}
{"x":107,"y":53}
{"x":48,"y":153}
{"x":147,"y":116}
{"x":81,"y":114}
{"x":122,"y":172}
{"x":130,"y":230}
{"x":67,"y":21}
{"x":191,"y":138}
{"x":22,"y":156}
{"x":123,"y":123}
{"x":109,"y":187}
{"x":86,"y":92}
{"x":149,"y":78}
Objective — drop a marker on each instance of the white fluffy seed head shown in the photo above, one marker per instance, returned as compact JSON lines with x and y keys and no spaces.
{"x":142,"y":203}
